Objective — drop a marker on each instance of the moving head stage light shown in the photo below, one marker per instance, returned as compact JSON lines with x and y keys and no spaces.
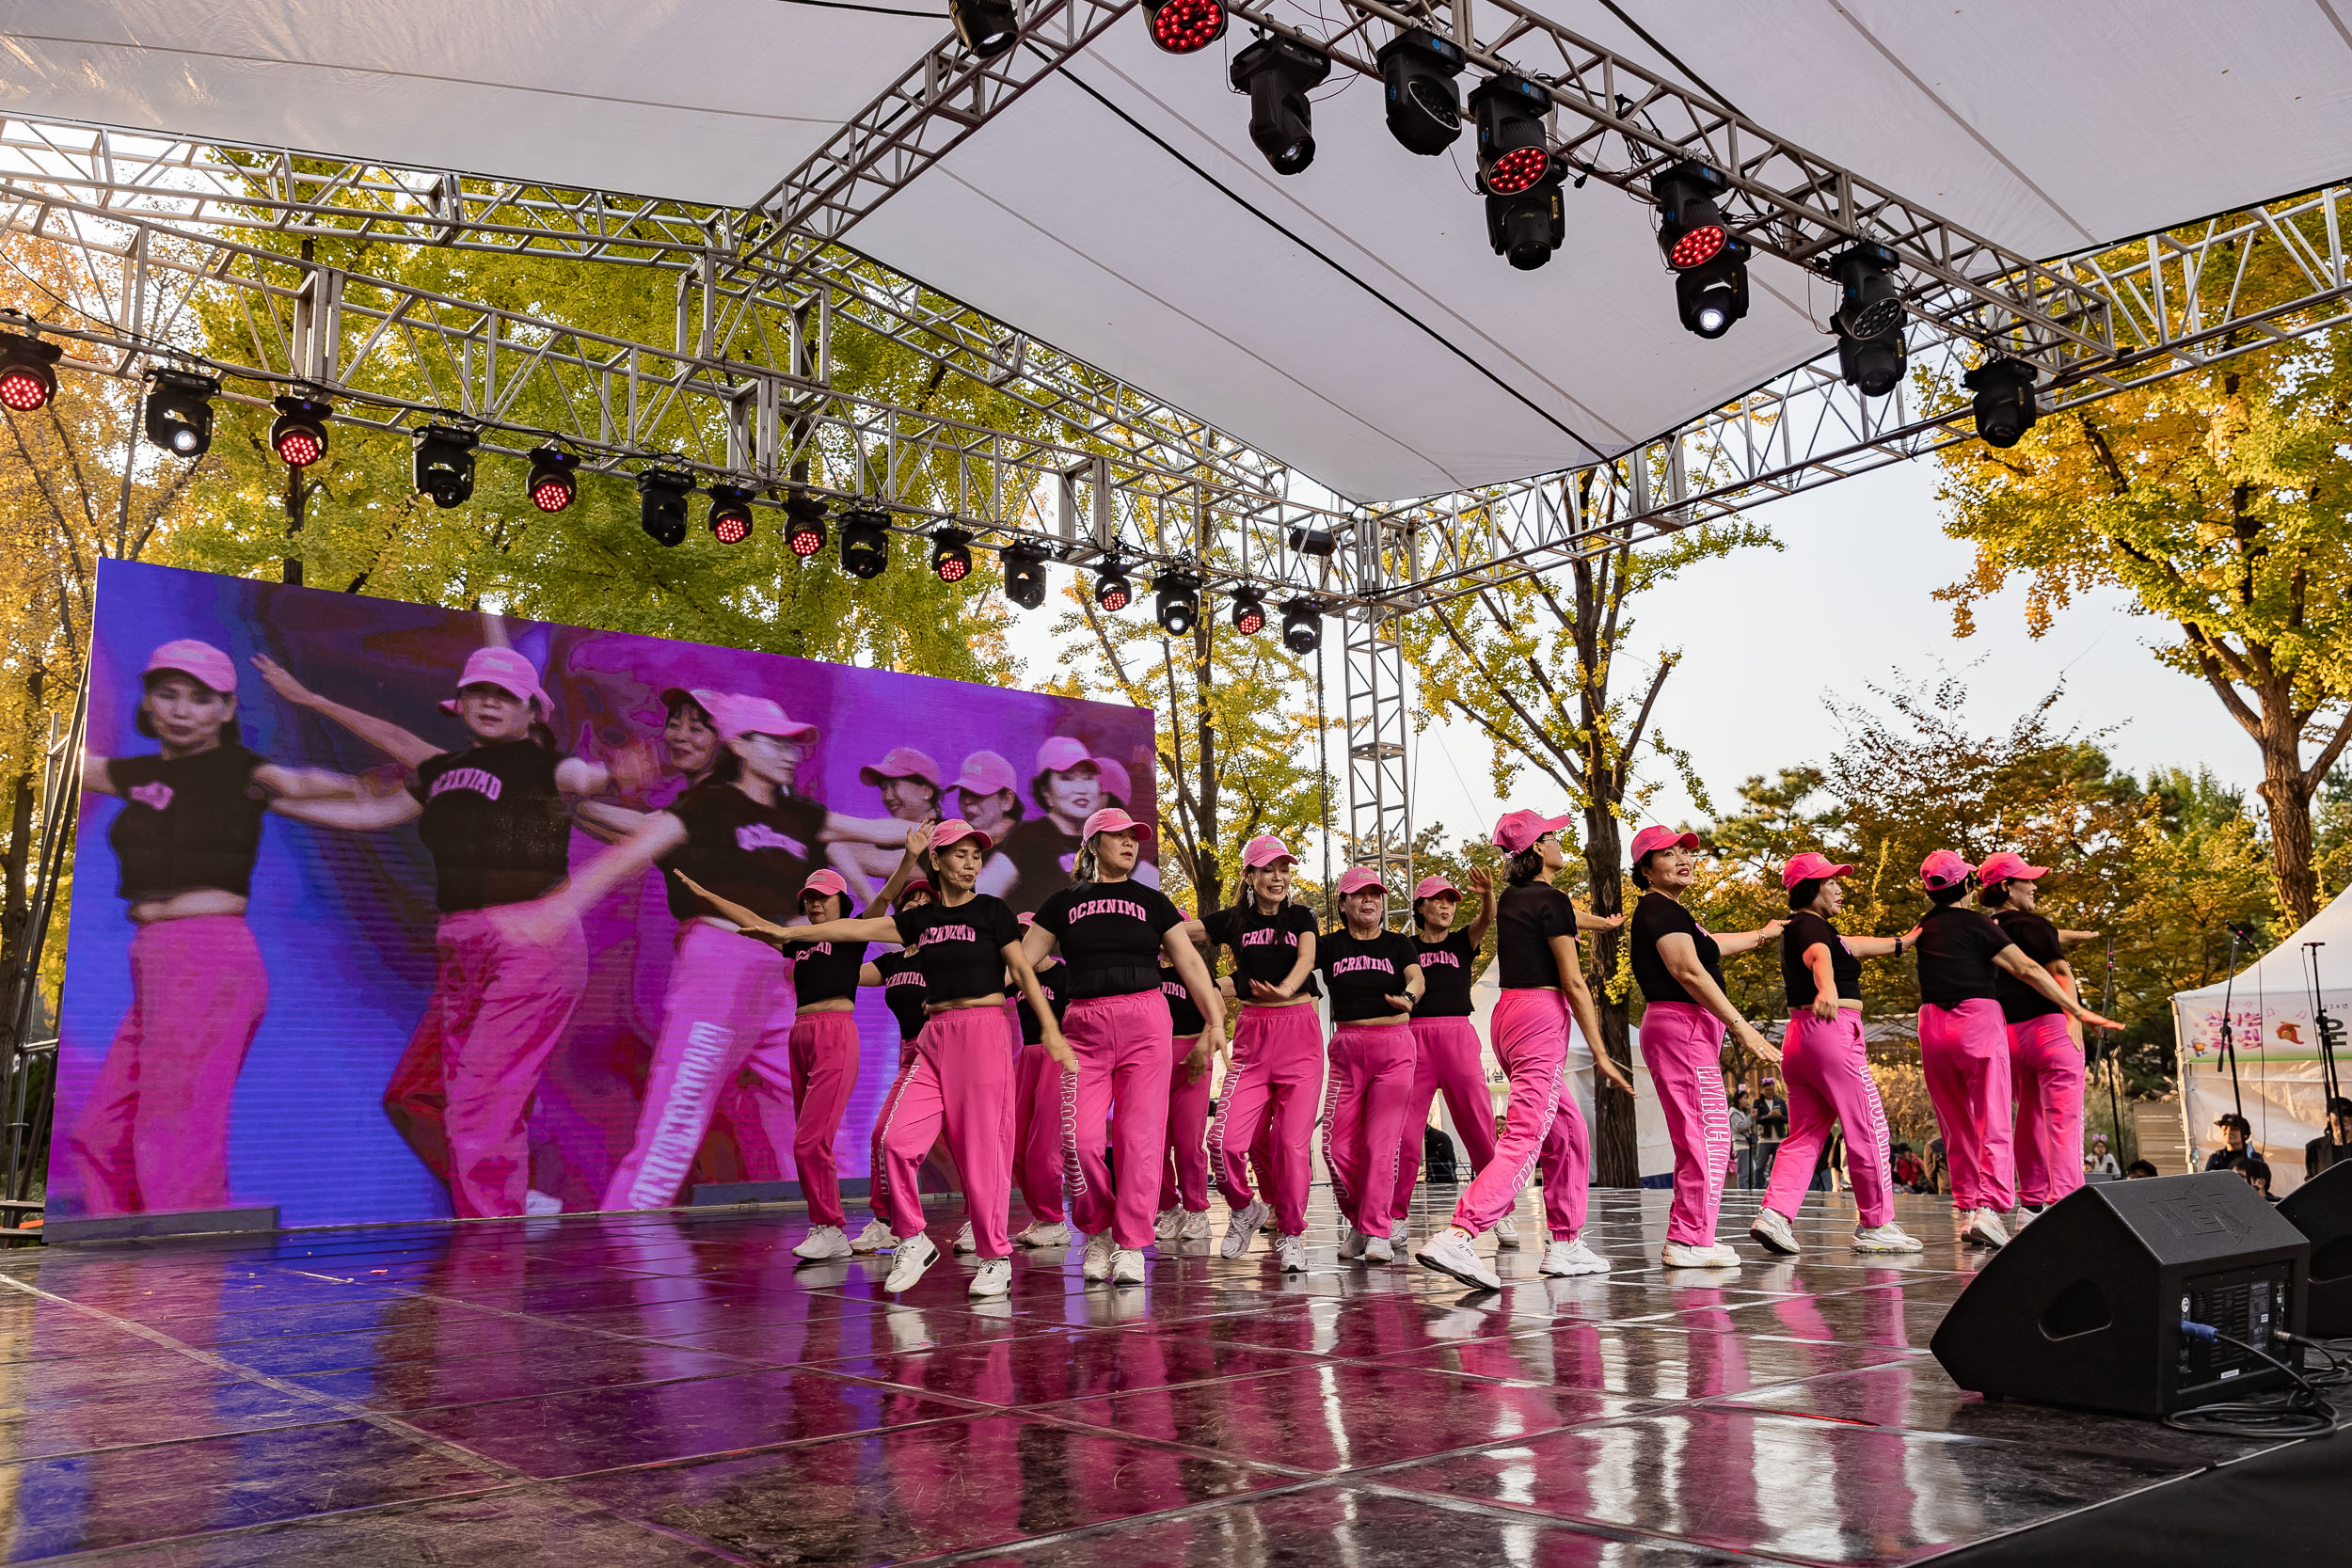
{"x":2004,"y":402}
{"x":987,"y":27}
{"x":179,"y":412}
{"x":445,"y":464}
{"x":1278,"y":74}
{"x":1025,"y":575}
{"x":1302,"y":625}
{"x":1176,"y":602}
{"x":661,"y":505}
{"x":1525,"y":220}
{"x":865,"y":543}
{"x":1870,"y":320}
{"x":1710,"y":261}
{"x":1424,"y":106}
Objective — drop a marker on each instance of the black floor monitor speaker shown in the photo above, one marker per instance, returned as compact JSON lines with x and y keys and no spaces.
{"x":2321,"y":1208}
{"x":2084,"y":1307}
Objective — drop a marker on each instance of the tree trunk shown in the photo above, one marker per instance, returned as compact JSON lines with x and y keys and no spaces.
{"x":296,"y":497}
{"x":1616,"y":1153}
{"x":2288,"y":798}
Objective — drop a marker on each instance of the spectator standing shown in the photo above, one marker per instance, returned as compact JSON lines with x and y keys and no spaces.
{"x":2235,"y":1130}
{"x":1772,"y":1126}
{"x":2334,"y":1143}
{"x":1742,"y":1139}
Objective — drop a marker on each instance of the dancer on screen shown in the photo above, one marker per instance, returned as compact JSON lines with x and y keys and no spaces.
{"x":1183,"y":1214}
{"x":1037,"y":859}
{"x":154,"y":1133}
{"x":1112,"y":931}
{"x":1376,"y":981}
{"x":1543,"y":986}
{"x":2046,"y":1059}
{"x":908,"y":781}
{"x":1039,"y":1108}
{"x":1828,"y":1070}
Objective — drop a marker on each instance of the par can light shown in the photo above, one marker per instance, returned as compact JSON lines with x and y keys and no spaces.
{"x":299,"y":434}
{"x":553,"y":483}
{"x":1184,"y":26}
{"x":730,"y":513}
{"x":28,"y":375}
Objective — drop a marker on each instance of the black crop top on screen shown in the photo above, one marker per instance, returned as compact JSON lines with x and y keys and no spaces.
{"x":186,"y":822}
{"x":496,"y":824}
{"x":756,"y":855}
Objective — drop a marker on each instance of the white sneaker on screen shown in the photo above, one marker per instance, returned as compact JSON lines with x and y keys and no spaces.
{"x":1449,"y":1252}
{"x":1247,"y":1222}
{"x":538,"y":1205}
{"x":1507,"y":1233}
{"x":1889,"y":1237}
{"x":1771,"y":1231}
{"x":916,"y":1255}
{"x":876,"y":1237}
{"x":1564,"y":1258}
{"x":1040,"y":1234}
{"x":965,"y":1243}
{"x":825,"y":1240}
{"x":994,"y":1278}
{"x":1126,"y":1267}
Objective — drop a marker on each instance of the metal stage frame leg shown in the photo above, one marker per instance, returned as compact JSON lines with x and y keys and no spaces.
{"x":1380,"y":804}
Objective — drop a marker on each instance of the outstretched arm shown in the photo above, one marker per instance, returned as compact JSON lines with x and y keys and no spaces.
{"x":1733,"y":943}
{"x":2013,"y":959}
{"x":358,"y":813}
{"x":382,"y":734}
{"x":1681,"y":956}
{"x":1482,"y":882}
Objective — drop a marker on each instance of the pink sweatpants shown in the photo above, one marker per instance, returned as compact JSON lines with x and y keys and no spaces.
{"x":1274,"y":1087}
{"x":1567,"y":1169}
{"x":1445,"y":1060}
{"x":823,"y":1051}
{"x":1682,"y":1045}
{"x":1366,"y":1103}
{"x":2046,"y":1070}
{"x":1120,"y":1087}
{"x":153,"y":1136}
{"x":730,"y":1006}
{"x":1037,"y":1151}
{"x":1963,"y":1051}
{"x":1531,"y":1036}
{"x":1828,"y":1073}
{"x":1184,"y":1173}
{"x":961,"y":1082}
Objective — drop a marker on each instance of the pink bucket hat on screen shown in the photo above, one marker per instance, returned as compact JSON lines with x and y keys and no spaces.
{"x":1944,"y":868}
{"x":1811,"y":867}
{"x":985,"y":773}
{"x":955,"y":831}
{"x":1429,"y":887}
{"x":1064,"y":754}
{"x":1651,"y":840}
{"x":1110,"y":820}
{"x":826,"y":882}
{"x":1266,"y":850}
{"x":899,"y":762}
{"x":1358,"y":877}
{"x":737,"y":714}
{"x":504,"y":669}
{"x":200,"y":661}
{"x":1519,"y":830}
{"x":2005,"y":865}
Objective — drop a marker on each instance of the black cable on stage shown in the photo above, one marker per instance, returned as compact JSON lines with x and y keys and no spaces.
{"x":2301,"y":1412}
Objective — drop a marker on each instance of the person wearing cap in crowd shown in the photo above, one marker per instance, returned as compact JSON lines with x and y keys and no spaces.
{"x":2046,"y":1061}
{"x":823,"y":1051}
{"x":496,"y":818}
{"x":1039,"y":1107}
{"x":1037,"y":859}
{"x":1375,"y":978}
{"x":1183,"y":1214}
{"x":1827,"y":1065}
{"x":965,"y":940}
{"x":908,"y":781}
{"x":1963,"y":1041}
{"x":2333,"y":1146}
{"x":900,"y":981}
{"x":1445,"y":1042}
{"x":2237,"y":1137}
{"x":1112,"y":932}
{"x":1685,"y":1014}
{"x":1273,"y":1088}
{"x":1543,"y":986}
{"x":153,"y":1134}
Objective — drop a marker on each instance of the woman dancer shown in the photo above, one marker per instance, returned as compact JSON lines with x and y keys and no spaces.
{"x":1543,"y":984}
{"x":1683,"y":1021}
{"x":1278,"y":1055}
{"x":1963,"y":1041}
{"x":154,"y":1133}
{"x":1185,"y":1176}
{"x":900,"y":979}
{"x":1036,"y":858}
{"x":1375,"y":980}
{"x":1038,"y":1165}
{"x":1112,"y":931}
{"x":1445,"y":1043}
{"x":1826,"y":1066}
{"x":964,"y":939}
{"x":823,"y":1051}
{"x":2046,"y":1061}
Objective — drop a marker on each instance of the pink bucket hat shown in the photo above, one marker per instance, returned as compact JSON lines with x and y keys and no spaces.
{"x":1651,"y":840}
{"x":1944,"y":868}
{"x":1116,"y":783}
{"x":200,"y":660}
{"x":1110,"y":820}
{"x":737,"y":714}
{"x":1811,"y":867}
{"x":955,"y":831}
{"x":1429,"y":887}
{"x":985,"y":773}
{"x":2005,"y":865}
{"x":1264,"y":850}
{"x":1519,"y":830}
{"x":1064,"y":753}
{"x":827,"y":882}
{"x":1358,"y":877}
{"x":504,"y":669}
{"x":899,"y":762}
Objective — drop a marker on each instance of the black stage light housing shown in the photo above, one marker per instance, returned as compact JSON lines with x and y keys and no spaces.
{"x":1425,"y":105}
{"x":803,"y":524}
{"x":1112,"y":591}
{"x":661,"y":505}
{"x":1314,"y":541}
{"x":1870,"y":320}
{"x":445,"y":464}
{"x":1249,"y":610}
{"x":1025,"y":575}
{"x":1526,"y":229}
{"x":1278,"y":74}
{"x":178,"y":414}
{"x":28,"y":375}
{"x":1184,"y":26}
{"x":865,"y":543}
{"x":553,"y":483}
{"x":987,"y":27}
{"x":951,"y":554}
{"x":1711,"y":297}
{"x":730,"y":513}
{"x":299,"y":434}
{"x":1302,"y":625}
{"x":1526,"y":219}
{"x":1690,"y":228}
{"x":1176,"y":602}
{"x":2004,"y":402}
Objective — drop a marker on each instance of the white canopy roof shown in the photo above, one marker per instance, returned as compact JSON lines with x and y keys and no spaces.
{"x":1349,"y":319}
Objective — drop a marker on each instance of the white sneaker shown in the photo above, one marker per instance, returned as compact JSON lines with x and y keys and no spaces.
{"x":1247,"y":1222}
{"x":1889,"y":1237}
{"x":1378,"y":1250}
{"x":1291,"y":1252}
{"x":1449,"y":1252}
{"x":1097,"y":1267}
{"x":2026,"y":1217}
{"x":1507,"y":1233}
{"x":1771,"y":1231}
{"x":994,"y":1278}
{"x":1037,"y":1234}
{"x":966,"y":1245}
{"x":1195,"y":1227}
{"x":1984,"y":1229}
{"x":538,"y":1205}
{"x":1166,"y":1224}
{"x":826,"y":1241}
{"x":1351,"y":1244}
{"x":1675,"y":1254}
{"x":916,"y":1255}
{"x":1564,"y":1258}
{"x":1396,"y":1234}
{"x":876,"y":1237}
{"x":1126,"y":1267}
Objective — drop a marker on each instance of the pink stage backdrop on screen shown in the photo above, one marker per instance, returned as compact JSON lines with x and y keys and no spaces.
{"x":306,"y":966}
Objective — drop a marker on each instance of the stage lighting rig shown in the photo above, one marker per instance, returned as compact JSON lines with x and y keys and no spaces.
{"x":299,"y":434}
{"x":1176,"y":602}
{"x":951,"y":554}
{"x":1249,"y":610}
{"x":1302,"y":625}
{"x":661,"y":505}
{"x":1870,"y":320}
{"x":987,"y":27}
{"x":1314,"y":541}
{"x":178,"y":414}
{"x":1525,"y":218}
{"x":552,"y":483}
{"x":730,"y":513}
{"x":444,"y":465}
{"x":803,"y":524}
{"x":1424,"y":106}
{"x":1184,"y":26}
{"x":1025,"y":575}
{"x":865,"y":543}
{"x":2004,"y":402}
{"x":28,"y":377}
{"x":1112,"y":591}
{"x":1278,"y":74}
{"x":1710,"y":261}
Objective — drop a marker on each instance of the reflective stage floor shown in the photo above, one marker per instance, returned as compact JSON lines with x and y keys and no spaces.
{"x":605,"y":1392}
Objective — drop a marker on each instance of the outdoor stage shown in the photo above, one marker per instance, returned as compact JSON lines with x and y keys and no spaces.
{"x":668,"y":1389}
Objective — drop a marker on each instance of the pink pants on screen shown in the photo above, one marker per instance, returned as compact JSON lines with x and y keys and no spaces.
{"x":1531,"y":1036}
{"x":1682,"y":1045}
{"x":1275,"y":1087}
{"x":1120,"y":1087}
{"x":1364,"y":1107}
{"x":1184,"y":1173}
{"x":1445,"y":1061}
{"x":153,"y":1136}
{"x":961,"y":1082}
{"x":2047,"y":1072}
{"x":823,"y":1051}
{"x":1963,"y":1051}
{"x":1828,"y":1073}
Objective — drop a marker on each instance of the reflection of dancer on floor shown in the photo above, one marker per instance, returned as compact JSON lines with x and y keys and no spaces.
{"x":510,"y":971}
{"x":154,"y":1133}
{"x":1445,"y":1042}
{"x":903,"y":991}
{"x":1183,"y":1214}
{"x":909,"y":782}
{"x":965,"y":940}
{"x":2045,"y":1056}
{"x":1376,"y":981}
{"x":1827,"y":1065}
{"x":1037,"y":1109}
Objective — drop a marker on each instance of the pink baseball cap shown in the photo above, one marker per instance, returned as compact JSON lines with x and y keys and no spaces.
{"x":200,"y":660}
{"x":1110,"y":820}
{"x":701,"y":696}
{"x":1944,"y":868}
{"x":955,"y":829}
{"x":1519,"y":830}
{"x":1811,"y":866}
{"x":1115,"y":782}
{"x":2006,"y":866}
{"x":921,"y":885}
{"x":1429,"y":887}
{"x":900,"y":762}
{"x":986,"y":773}
{"x":1264,"y":850}
{"x":737,"y":714}
{"x":1651,"y":840}
{"x":827,"y":882}
{"x":504,"y":669}
{"x":1358,"y":877}
{"x":1065,"y":753}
